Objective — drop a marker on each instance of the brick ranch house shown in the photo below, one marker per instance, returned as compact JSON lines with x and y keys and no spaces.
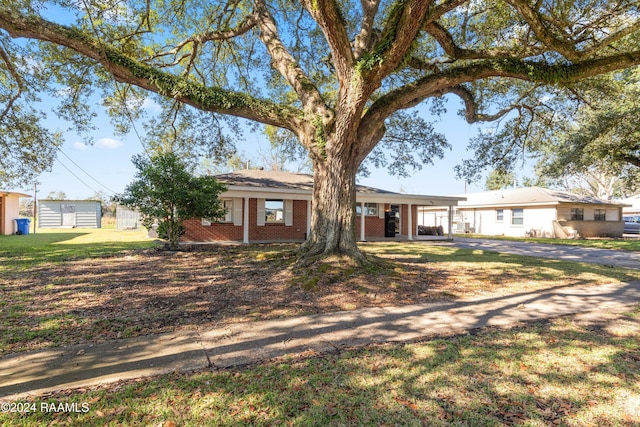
{"x":268,"y":206}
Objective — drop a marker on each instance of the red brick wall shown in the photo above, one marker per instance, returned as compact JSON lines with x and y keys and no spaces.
{"x":196,"y":232}
{"x":373,"y":227}
{"x":275,"y":232}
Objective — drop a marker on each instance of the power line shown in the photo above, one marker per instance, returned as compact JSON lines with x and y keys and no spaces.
{"x":117,"y":86}
{"x":77,"y":177}
{"x":86,"y":173}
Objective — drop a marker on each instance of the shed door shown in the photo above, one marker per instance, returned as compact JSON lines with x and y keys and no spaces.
{"x":68,"y":215}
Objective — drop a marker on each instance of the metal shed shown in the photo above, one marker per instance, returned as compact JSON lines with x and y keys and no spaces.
{"x":69,"y":214}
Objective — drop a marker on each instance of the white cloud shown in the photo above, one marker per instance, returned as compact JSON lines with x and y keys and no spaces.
{"x":150,"y":104}
{"x":79,"y":146}
{"x":108,"y":143}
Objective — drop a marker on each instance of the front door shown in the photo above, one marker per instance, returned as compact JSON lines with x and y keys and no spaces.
{"x":395,"y":214}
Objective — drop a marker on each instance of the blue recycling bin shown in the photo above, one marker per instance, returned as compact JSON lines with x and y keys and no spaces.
{"x":23,"y":225}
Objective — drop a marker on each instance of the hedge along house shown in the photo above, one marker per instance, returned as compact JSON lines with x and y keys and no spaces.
{"x":69,"y":214}
{"x":538,"y":212}
{"x":268,"y":206}
{"x":9,"y":210}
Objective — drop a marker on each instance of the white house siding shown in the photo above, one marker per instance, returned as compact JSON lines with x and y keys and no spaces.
{"x":87,"y":214}
{"x":564,"y":212}
{"x":536,"y":221}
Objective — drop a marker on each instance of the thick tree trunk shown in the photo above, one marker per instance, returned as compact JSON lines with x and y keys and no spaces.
{"x":333,"y":215}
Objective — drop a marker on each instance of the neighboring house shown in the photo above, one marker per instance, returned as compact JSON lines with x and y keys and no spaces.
{"x":634,"y":205}
{"x":267,"y":206}
{"x":537,"y":212}
{"x":69,"y":214}
{"x":9,"y":210}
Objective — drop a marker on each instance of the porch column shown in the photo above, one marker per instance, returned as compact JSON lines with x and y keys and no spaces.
{"x":362,"y":215}
{"x":410,"y":222}
{"x":450,"y":222}
{"x":245,"y":221}
{"x":308,"y":218}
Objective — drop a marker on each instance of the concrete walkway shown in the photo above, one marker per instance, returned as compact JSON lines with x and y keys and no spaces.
{"x":609,"y":257}
{"x":33,"y":373}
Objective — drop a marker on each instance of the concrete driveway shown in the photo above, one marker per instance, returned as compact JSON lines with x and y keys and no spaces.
{"x":541,"y":250}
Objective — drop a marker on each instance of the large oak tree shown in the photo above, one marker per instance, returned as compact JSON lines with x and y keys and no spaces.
{"x":334,"y":73}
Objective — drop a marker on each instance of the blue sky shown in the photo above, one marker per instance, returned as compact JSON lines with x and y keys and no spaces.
{"x":106,"y":166}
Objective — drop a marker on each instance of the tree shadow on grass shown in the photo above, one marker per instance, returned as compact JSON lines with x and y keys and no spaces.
{"x":102,"y":292}
{"x":560,"y":372}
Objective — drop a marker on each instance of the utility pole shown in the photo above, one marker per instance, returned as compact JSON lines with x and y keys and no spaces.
{"x":35,"y":205}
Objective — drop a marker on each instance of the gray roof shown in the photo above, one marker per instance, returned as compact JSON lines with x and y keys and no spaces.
{"x":265,"y":182}
{"x":530,"y":196}
{"x":282,"y":180}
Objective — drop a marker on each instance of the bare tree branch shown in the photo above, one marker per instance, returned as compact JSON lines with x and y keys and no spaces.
{"x":401,"y":29}
{"x":363,"y":40}
{"x":411,"y":95}
{"x":328,"y":16}
{"x":197,"y":39}
{"x":287,"y":66}
{"x":444,"y":38}
{"x":16,"y":76}
{"x":544,"y":34}
{"x":127,"y":70}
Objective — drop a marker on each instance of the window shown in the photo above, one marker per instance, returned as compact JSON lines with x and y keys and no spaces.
{"x":274,"y":211}
{"x":577,"y":214}
{"x":370,"y":209}
{"x":517,"y":216}
{"x":228,"y":205}
{"x":228,"y":216}
{"x":67,"y":208}
{"x":600,"y":215}
{"x":499,"y":215}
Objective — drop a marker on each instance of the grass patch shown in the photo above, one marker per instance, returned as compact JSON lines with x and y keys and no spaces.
{"x":569,"y":371}
{"x":618,"y":244}
{"x":55,"y":246}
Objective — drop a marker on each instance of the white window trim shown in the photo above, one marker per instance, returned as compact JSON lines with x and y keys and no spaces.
{"x":522,"y":218}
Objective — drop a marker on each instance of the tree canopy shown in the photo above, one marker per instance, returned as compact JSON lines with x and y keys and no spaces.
{"x":343,"y":77}
{"x":605,"y":133}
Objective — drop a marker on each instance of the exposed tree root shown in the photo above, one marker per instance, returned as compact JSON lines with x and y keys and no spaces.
{"x":312,"y":270}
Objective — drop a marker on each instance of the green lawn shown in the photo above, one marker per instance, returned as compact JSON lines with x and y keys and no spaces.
{"x":59,"y":245}
{"x":566,"y":372}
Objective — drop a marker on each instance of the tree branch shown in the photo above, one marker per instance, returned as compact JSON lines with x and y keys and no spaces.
{"x":365,"y":36}
{"x":197,"y":39}
{"x":328,"y":16}
{"x":471,"y":107}
{"x":400,"y":30}
{"x":544,"y":34}
{"x":127,"y":70}
{"x":445,"y":39}
{"x":16,"y":76}
{"x":287,"y":66}
{"x":411,"y":95}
